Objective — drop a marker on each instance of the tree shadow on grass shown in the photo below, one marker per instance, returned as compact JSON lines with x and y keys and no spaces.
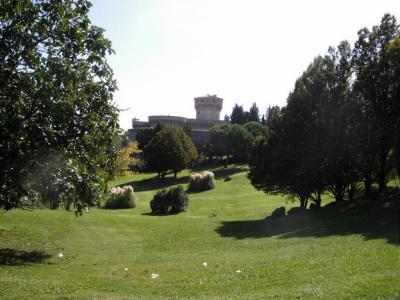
{"x":221,"y":171}
{"x":379,"y":220}
{"x":13,"y":257}
{"x":156,"y":183}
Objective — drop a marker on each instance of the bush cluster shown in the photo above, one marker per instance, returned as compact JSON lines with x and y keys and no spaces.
{"x":202,"y":181}
{"x":172,"y":201}
{"x":121,"y":197}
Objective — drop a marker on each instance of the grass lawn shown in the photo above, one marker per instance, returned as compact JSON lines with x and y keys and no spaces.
{"x":304,"y":256}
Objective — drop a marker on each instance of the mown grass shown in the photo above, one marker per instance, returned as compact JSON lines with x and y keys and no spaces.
{"x":306,"y":256}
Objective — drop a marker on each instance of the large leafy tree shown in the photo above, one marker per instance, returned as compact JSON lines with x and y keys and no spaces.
{"x":308,"y":151}
{"x":393,"y":53}
{"x":240,"y":143}
{"x":171,"y":149}
{"x":376,"y":82}
{"x":144,"y":136}
{"x":230,"y":140}
{"x":218,"y":143}
{"x":56,"y":115}
{"x":256,"y":129}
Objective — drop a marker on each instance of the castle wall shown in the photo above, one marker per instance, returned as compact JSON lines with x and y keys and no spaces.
{"x":168,"y":121}
{"x":208,"y":110}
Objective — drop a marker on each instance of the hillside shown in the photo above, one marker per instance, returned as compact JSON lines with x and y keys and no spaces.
{"x":335,"y":253}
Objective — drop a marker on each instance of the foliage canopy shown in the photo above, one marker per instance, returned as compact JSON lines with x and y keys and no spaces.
{"x":56,"y":115}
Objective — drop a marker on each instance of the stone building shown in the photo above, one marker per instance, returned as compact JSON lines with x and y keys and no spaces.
{"x":208,"y":109}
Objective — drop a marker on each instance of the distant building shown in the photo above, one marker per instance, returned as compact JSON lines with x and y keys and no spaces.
{"x":208,"y":109}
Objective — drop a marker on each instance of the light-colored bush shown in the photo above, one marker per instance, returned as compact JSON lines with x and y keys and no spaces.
{"x":121,"y":197}
{"x":202,"y":181}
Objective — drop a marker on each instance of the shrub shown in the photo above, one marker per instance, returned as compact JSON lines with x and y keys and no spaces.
{"x":121,"y":197}
{"x":172,"y":201}
{"x":202,"y":181}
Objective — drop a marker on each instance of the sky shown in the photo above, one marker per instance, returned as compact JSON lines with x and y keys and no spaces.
{"x":168,"y":52}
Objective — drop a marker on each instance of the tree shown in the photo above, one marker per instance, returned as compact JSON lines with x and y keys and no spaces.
{"x":218,"y":143}
{"x":170,"y":149}
{"x":308,"y":150}
{"x":332,"y":134}
{"x":230,"y":140}
{"x":56,"y":113}
{"x":340,"y":149}
{"x":393,"y":52}
{"x":272,"y":117}
{"x":254,"y":115}
{"x":240,"y":143}
{"x":143,"y":136}
{"x":256,"y":129}
{"x":125,"y":160}
{"x":238,"y":115}
{"x":376,"y":85}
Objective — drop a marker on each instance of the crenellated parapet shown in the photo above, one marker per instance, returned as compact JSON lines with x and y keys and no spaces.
{"x":208,"y":107}
{"x":168,"y":121}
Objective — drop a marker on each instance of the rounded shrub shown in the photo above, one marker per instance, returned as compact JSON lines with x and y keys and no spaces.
{"x":202,"y":181}
{"x":172,"y":201}
{"x":121,"y":197}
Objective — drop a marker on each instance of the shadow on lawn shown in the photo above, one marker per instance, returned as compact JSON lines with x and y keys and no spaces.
{"x":222,"y":172}
{"x":155,"y":183}
{"x":373,"y":220}
{"x":13,"y":257}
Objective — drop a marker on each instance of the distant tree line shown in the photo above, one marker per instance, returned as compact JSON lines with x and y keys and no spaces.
{"x":234,"y":141}
{"x":340,"y":130}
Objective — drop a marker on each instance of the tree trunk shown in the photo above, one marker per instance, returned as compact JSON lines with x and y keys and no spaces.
{"x":351,"y":192}
{"x":367,"y":184}
{"x":318,"y":200}
{"x":339,"y":195}
{"x":382,"y":170}
{"x":303,"y":202}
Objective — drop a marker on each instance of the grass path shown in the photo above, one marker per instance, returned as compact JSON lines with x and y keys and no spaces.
{"x":305,"y":257}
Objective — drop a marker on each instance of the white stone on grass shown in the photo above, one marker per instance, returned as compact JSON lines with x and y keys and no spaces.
{"x":238,"y":271}
{"x":126,"y":269}
{"x":60,"y":255}
{"x":205,"y":264}
{"x":154,"y":276}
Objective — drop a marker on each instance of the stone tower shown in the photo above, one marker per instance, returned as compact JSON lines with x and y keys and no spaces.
{"x":208,"y":107}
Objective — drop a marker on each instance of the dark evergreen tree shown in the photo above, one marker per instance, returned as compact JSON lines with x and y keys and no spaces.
{"x":376,"y":85}
{"x":254,"y":114}
{"x":272,"y":116}
{"x":238,"y":115}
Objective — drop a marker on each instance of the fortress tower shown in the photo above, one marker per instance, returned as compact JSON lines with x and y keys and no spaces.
{"x":208,"y":107}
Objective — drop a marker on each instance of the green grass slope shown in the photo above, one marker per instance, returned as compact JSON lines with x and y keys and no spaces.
{"x":305,"y":256}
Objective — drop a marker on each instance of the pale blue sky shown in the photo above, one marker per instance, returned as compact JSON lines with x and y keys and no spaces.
{"x":245,"y":51}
